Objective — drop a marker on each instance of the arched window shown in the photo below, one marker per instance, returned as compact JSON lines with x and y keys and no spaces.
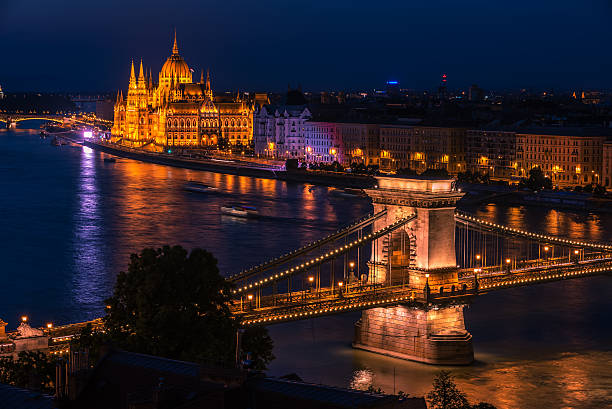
{"x":226,"y":122}
{"x":244,"y":122}
{"x":169,"y":123}
{"x":175,"y":123}
{"x":182,"y":123}
{"x":232,"y":122}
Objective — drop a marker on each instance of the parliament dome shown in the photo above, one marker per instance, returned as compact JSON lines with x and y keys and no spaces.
{"x":175,"y":67}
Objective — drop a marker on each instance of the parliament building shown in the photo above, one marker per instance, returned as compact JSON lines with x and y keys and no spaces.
{"x":176,"y":112}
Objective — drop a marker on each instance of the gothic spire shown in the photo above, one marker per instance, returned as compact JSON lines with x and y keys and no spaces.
{"x":141,"y":73}
{"x":132,"y":74}
{"x":202,"y":77}
{"x":207,"y":79}
{"x":175,"y":47}
{"x":150,"y":79}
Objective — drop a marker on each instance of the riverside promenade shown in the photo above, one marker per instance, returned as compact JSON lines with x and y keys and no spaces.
{"x":232,"y":166}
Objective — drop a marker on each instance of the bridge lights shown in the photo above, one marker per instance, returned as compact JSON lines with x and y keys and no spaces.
{"x":49,"y":325}
{"x":310,"y":279}
{"x":250,"y":297}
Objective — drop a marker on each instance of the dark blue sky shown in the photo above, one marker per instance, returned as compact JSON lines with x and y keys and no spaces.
{"x":333,"y":44}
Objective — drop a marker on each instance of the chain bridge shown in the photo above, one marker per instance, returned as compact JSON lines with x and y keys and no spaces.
{"x":410,"y":267}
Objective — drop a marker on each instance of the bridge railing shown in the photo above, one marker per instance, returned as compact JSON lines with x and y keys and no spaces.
{"x":539,"y":237}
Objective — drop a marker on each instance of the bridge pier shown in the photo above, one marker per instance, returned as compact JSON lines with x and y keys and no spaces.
{"x":422,"y":253}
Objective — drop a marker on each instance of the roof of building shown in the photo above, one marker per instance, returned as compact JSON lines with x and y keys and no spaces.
{"x":155,"y":363}
{"x":17,"y":398}
{"x":338,"y":397}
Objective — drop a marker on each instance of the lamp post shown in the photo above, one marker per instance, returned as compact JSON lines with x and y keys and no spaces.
{"x":250,"y":298}
{"x":508,"y":265}
{"x":546,"y":249}
{"x":351,"y":272}
{"x":340,"y":285}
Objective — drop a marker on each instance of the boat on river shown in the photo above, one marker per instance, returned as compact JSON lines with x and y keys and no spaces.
{"x":111,"y":160}
{"x":199,"y":187}
{"x":239,"y":211}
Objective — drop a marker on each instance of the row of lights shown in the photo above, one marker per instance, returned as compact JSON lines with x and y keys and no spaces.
{"x":24,"y":318}
{"x":547,"y":277}
{"x":312,"y":244}
{"x":322,"y":258}
{"x":536,"y":235}
{"x":299,"y":315}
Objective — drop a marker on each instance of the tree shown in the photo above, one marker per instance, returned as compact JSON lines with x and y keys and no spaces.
{"x":445,"y":394}
{"x":32,"y":370}
{"x":257,"y":343}
{"x":537,"y":180}
{"x":173,"y":304}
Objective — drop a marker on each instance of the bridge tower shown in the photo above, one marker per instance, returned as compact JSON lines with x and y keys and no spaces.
{"x":422,"y":253}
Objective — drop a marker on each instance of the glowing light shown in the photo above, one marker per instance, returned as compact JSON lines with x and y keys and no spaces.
{"x":24,"y":318}
{"x":49,"y":325}
{"x":87,"y":134}
{"x":311,"y":279}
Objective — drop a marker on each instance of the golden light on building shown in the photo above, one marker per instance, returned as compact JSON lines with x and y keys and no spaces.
{"x":578,"y":170}
{"x":309,"y":149}
{"x":384,"y":154}
{"x":271,"y":146}
{"x":333,"y":151}
{"x":176,"y":111}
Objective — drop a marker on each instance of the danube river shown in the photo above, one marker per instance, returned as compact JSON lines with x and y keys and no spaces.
{"x":70,"y":221}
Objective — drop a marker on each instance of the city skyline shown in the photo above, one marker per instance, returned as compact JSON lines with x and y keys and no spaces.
{"x":339,"y":46}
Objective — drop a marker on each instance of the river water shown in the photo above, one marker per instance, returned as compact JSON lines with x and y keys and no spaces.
{"x":69,"y":222}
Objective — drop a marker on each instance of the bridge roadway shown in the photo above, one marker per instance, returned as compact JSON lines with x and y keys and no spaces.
{"x":357,"y":296}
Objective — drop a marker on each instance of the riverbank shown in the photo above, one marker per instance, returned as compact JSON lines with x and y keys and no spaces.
{"x":232,"y":167}
{"x":505,"y":195}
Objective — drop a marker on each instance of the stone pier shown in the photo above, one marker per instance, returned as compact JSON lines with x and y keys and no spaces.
{"x":423,"y":253}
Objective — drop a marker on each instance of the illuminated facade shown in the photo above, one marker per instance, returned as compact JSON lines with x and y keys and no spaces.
{"x":279,"y":131}
{"x":322,"y":144}
{"x":176,"y":112}
{"x":606,"y":176}
{"x":569,"y":157}
{"x":422,"y":147}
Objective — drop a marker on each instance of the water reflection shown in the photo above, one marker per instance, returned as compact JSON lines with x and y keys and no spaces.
{"x":546,"y":343}
{"x":89,"y":281}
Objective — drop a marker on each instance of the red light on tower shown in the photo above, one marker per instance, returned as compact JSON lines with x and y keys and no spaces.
{"x":444,"y":78}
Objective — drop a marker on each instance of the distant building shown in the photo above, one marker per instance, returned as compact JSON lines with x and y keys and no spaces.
{"x":322,"y":144}
{"x":278,"y":130}
{"x":422,"y":147}
{"x":105,"y":110}
{"x":1,"y":93}
{"x":358,"y":143}
{"x":606,"y":172}
{"x":475,"y":93}
{"x":568,"y":156}
{"x":493,"y":152}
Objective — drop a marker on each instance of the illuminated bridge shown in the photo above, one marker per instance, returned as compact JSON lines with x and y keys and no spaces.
{"x":411,"y":267}
{"x":14,"y":118}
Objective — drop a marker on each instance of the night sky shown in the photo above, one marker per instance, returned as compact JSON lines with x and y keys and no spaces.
{"x":70,"y":45}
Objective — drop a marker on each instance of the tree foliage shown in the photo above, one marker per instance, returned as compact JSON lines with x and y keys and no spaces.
{"x":175,"y":304}
{"x":32,"y":370}
{"x":537,"y":180}
{"x":446,"y":395}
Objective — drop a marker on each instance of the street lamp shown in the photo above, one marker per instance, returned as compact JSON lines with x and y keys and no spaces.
{"x":351,"y":267}
{"x":508,"y":261}
{"x":49,"y":325}
{"x":24,"y":318}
